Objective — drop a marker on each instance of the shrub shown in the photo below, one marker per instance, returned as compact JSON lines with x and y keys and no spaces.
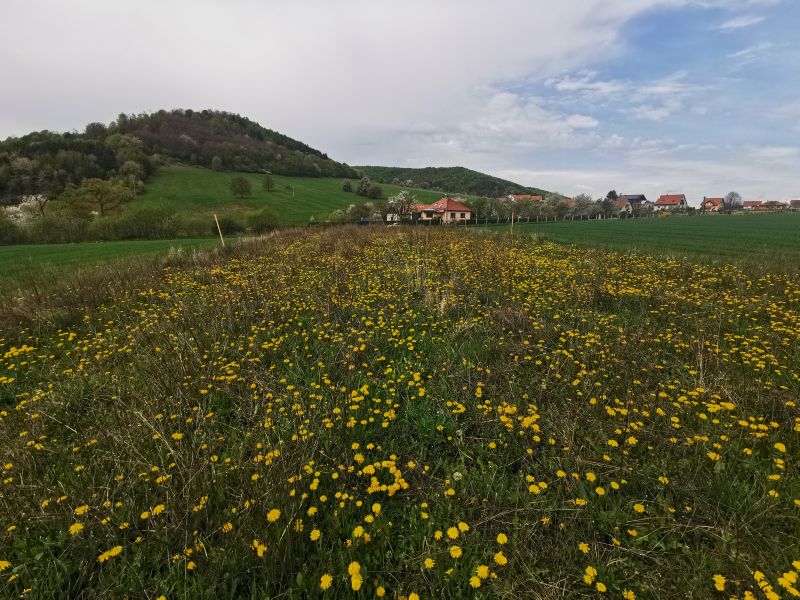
{"x":261,"y":221}
{"x":228,"y":224}
{"x":10,"y":233}
{"x":147,"y":223}
{"x":347,"y":185}
{"x":374,"y":191}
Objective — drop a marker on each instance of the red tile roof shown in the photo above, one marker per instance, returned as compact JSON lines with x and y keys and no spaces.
{"x":444,"y":205}
{"x":620,"y":203}
{"x":526,"y":197}
{"x":670,"y":200}
{"x":751,"y":203}
{"x":714,"y":201}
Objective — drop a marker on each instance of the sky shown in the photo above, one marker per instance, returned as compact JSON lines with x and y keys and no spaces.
{"x":699,"y":97}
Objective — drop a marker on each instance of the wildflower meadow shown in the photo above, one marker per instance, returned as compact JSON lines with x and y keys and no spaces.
{"x":413,"y":414}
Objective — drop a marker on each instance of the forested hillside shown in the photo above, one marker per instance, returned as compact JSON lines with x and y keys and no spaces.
{"x":448,"y":179}
{"x":132,"y":147}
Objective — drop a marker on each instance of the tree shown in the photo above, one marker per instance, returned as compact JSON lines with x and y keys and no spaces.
{"x":267,"y":183}
{"x":612,"y":195}
{"x":347,"y":185}
{"x":216,"y":163}
{"x":374,"y":191}
{"x":98,"y":195}
{"x":732,"y":201}
{"x":240,"y":187}
{"x":363,"y":186}
{"x":400,"y":203}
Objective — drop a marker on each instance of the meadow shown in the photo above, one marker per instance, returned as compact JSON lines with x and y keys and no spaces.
{"x":749,"y":238}
{"x":38,"y":261}
{"x":406,"y":413}
{"x":294,"y":200}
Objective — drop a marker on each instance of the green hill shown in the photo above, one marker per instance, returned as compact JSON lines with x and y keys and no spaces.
{"x":133,"y":147}
{"x":454,"y":180}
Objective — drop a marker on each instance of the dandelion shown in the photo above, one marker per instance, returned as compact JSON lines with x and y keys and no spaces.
{"x":325,"y":581}
{"x":314,"y":535}
{"x":482,"y":571}
{"x":455,"y":551}
{"x":429,"y":563}
{"x":600,"y":587}
{"x":500,"y":559}
{"x":502,"y":538}
{"x":475,"y":582}
{"x":452,"y":533}
{"x":75,"y":528}
{"x":719,"y":583}
{"x":583,"y":547}
{"x":355,"y":582}
{"x":109,"y":554}
{"x":353,"y":568}
{"x":638,"y":507}
{"x":273,"y":515}
{"x":4,"y":564}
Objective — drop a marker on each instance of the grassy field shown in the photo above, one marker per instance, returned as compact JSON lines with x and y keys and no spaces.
{"x":202,"y":191}
{"x":33,"y":259}
{"x":342,"y":412}
{"x":758,"y":238}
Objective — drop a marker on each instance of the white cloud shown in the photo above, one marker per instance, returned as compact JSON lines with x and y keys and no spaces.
{"x":752,"y":52}
{"x":740,"y":22}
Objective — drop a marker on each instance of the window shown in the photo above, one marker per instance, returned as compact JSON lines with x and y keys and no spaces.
{"x":462,"y":215}
{"x":452,"y":215}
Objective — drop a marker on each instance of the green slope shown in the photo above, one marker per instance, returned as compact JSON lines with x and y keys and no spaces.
{"x":294,"y":200}
{"x":455,"y":180}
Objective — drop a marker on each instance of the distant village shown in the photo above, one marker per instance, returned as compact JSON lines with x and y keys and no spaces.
{"x":525,"y":207}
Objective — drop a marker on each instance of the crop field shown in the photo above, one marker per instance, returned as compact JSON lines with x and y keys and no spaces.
{"x":36,"y":260}
{"x":294,"y":200}
{"x":415,"y":413}
{"x":752,"y":238}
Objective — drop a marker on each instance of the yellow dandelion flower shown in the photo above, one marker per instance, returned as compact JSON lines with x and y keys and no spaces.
{"x":502,"y":538}
{"x":455,"y":551}
{"x":325,"y":581}
{"x":719,"y":583}
{"x":75,"y":528}
{"x":429,"y":563}
{"x":353,"y":568}
{"x":475,"y":582}
{"x":482,"y":571}
{"x":314,"y":535}
{"x":273,"y":515}
{"x":500,"y":559}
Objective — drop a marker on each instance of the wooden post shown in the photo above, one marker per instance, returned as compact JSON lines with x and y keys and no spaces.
{"x":219,"y":230}
{"x":512,"y":221}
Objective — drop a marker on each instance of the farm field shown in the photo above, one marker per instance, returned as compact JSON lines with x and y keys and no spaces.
{"x":59,"y":259}
{"x":754,"y":238}
{"x":341,"y":412}
{"x":202,"y":191}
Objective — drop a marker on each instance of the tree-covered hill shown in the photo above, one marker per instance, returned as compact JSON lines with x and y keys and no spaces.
{"x":132,"y":147}
{"x":458,"y":180}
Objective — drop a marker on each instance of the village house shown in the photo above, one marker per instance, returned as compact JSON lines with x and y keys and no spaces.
{"x":794,"y":204}
{"x":713,"y":204}
{"x":445,"y":210}
{"x":670,"y":202}
{"x":751,"y":204}
{"x":632,"y":203}
{"x":771,"y":205}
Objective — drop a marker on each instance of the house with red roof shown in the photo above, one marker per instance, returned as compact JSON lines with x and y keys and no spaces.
{"x":794,"y":204}
{"x":713,"y":204}
{"x":751,"y":204}
{"x":670,"y":202}
{"x":445,"y":210}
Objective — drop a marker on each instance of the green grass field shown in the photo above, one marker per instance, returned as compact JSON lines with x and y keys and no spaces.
{"x":774,"y":238}
{"x":202,"y":191}
{"x":409,"y":413}
{"x":18,"y":261}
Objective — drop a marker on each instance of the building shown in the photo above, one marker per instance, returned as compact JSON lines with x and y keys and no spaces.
{"x":772,"y":205}
{"x":445,"y":210}
{"x":633,"y":203}
{"x":671,"y":202}
{"x":713,"y":204}
{"x":794,"y":204}
{"x":751,"y":204}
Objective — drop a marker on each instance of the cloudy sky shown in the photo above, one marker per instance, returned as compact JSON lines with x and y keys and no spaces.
{"x":580,"y":96}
